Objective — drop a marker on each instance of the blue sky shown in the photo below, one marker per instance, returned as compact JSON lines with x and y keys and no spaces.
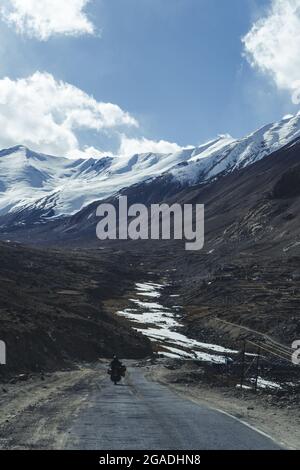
{"x":175,"y":66}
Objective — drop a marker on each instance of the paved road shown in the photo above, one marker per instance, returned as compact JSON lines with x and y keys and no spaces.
{"x":140,"y":414}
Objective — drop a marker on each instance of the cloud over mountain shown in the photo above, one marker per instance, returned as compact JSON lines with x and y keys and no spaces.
{"x":131,"y":146}
{"x":47,"y":115}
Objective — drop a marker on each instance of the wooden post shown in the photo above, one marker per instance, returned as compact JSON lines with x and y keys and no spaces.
{"x":257,"y":367}
{"x":243,"y":365}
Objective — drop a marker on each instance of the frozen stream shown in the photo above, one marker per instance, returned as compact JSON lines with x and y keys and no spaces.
{"x":162,"y":325}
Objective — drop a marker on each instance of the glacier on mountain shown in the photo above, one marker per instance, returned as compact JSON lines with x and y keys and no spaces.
{"x":61,"y":186}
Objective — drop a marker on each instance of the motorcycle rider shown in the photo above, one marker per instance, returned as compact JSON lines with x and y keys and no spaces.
{"x":115,"y":364}
{"x":117,"y":370}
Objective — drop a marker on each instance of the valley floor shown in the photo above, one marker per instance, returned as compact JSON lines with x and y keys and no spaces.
{"x":93,"y":301}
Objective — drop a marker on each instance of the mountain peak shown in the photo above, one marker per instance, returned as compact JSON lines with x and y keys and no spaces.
{"x":12,"y":150}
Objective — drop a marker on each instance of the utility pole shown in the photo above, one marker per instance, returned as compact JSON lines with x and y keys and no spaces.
{"x":243,"y":365}
{"x":257,"y":367}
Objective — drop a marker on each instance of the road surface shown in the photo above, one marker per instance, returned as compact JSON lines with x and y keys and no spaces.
{"x":140,"y":414}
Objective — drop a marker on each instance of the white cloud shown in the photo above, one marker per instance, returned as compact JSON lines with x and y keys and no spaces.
{"x":131,"y":146}
{"x":46,"y":115}
{"x":273,"y":44}
{"x":88,"y":152}
{"x":44,"y":18}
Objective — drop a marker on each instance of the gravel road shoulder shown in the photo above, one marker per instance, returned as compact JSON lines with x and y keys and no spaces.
{"x":282,"y":424}
{"x":36,"y":413}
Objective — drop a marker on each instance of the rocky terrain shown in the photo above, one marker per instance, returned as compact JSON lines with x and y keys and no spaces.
{"x":52,"y":308}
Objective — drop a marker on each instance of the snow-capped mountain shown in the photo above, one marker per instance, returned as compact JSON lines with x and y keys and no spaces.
{"x":55,"y":186}
{"x":28,"y":178}
{"x":226,"y":154}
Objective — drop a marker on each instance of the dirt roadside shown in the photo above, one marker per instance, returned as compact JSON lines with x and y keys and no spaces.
{"x":280,"y":423}
{"x":36,"y":413}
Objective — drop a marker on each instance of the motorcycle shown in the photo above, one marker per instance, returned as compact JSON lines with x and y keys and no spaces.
{"x":116,"y":374}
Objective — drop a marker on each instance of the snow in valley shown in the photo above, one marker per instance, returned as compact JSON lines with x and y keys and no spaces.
{"x":162,"y":325}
